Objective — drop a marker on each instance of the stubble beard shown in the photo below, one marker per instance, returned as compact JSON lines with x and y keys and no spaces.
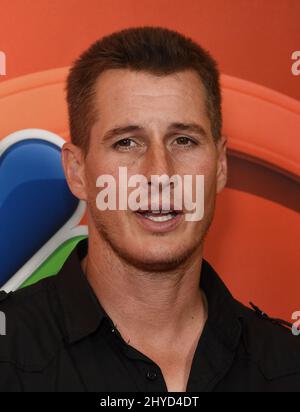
{"x":165,"y":266}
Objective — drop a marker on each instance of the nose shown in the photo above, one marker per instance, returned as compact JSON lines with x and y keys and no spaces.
{"x":162,"y":190}
{"x":158,"y":161}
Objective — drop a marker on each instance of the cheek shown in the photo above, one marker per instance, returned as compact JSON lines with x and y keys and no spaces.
{"x":205,"y":166}
{"x":91,"y":179}
{"x":96,"y":167}
{"x":208,"y":168}
{"x":210,"y":187}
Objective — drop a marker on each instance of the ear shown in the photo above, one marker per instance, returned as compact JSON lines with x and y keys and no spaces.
{"x":73,"y":164}
{"x":222,"y":164}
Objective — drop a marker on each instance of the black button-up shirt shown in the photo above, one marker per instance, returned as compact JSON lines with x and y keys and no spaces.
{"x":59,"y":338}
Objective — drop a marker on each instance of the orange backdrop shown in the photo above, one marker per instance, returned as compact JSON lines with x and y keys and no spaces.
{"x":252,"y":39}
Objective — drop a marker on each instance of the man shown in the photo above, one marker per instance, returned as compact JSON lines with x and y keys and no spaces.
{"x":137,"y":308}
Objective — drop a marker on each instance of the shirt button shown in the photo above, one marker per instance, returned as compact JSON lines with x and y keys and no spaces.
{"x":151,"y":375}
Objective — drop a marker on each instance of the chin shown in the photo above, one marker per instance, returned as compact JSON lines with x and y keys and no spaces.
{"x":151,"y":252}
{"x":157,"y":257}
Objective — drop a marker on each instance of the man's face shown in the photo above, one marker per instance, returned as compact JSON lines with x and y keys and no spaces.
{"x":157,"y":107}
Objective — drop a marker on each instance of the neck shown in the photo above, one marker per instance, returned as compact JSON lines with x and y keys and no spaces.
{"x":141,"y":303}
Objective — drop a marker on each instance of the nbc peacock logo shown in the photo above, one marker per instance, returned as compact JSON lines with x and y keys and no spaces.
{"x":39,"y":216}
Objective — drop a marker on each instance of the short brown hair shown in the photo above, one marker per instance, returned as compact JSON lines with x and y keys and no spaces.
{"x":154,"y":50}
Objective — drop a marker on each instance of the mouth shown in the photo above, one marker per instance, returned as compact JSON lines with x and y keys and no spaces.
{"x":160,"y":215}
{"x":159,"y":221}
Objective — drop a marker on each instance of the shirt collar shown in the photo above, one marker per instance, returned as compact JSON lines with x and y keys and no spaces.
{"x":223,"y":317}
{"x":83,"y":313}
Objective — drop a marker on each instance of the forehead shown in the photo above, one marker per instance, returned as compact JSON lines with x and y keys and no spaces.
{"x":123,"y":92}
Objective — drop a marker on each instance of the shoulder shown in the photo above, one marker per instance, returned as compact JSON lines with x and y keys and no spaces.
{"x":31,"y":322}
{"x":270,"y":345}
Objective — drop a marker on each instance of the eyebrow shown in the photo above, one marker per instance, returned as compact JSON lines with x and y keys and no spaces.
{"x":173,"y":127}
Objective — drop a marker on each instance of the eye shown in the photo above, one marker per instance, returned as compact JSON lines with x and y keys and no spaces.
{"x":125,"y":144}
{"x":185,"y":141}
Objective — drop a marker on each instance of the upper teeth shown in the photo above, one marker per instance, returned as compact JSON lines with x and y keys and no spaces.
{"x":164,"y":218}
{"x":159,"y":212}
